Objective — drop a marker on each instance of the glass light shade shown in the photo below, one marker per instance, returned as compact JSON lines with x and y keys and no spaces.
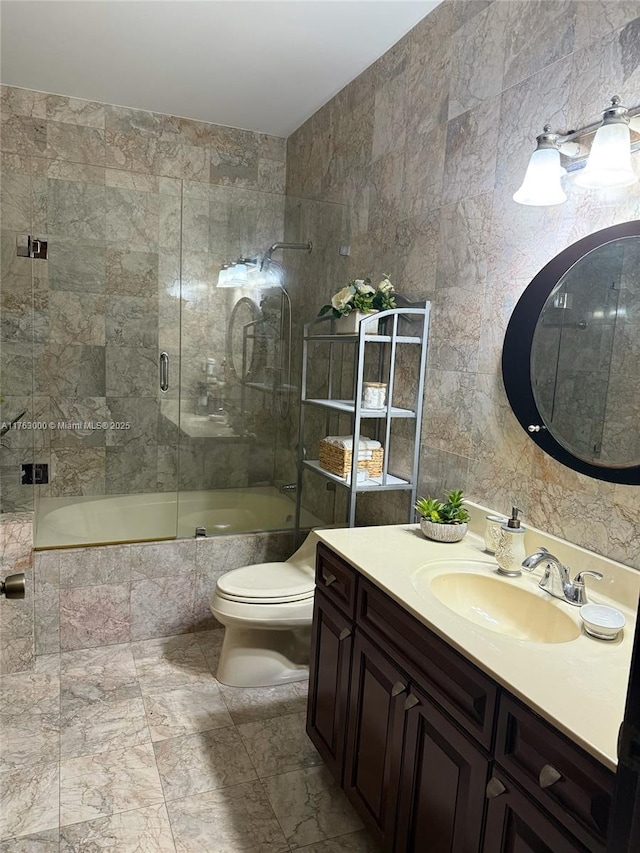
{"x":224,"y":278}
{"x":609,"y":163}
{"x":541,"y":185}
{"x":238,"y":276}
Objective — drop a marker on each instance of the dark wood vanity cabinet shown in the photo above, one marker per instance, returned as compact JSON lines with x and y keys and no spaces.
{"x":434,"y":756}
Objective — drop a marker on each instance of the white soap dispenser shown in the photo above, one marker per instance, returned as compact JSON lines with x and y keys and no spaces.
{"x":510,"y":551}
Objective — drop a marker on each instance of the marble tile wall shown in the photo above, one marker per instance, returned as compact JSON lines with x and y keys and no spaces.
{"x":426,"y":148}
{"x":129,"y":200}
{"x":89,"y":597}
{"x":17,"y":616}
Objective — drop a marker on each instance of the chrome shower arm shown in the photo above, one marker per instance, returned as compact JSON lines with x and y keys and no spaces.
{"x":307,"y":247}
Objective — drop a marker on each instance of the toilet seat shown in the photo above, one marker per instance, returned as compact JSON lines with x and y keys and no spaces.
{"x":267,"y":583}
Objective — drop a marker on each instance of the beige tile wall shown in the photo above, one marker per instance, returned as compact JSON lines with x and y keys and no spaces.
{"x":88,"y":597}
{"x":17,"y":616}
{"x":426,"y":148}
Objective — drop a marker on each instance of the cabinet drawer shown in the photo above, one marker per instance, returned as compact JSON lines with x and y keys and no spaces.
{"x":515,"y":824}
{"x":571,"y":785}
{"x":463,"y":691}
{"x":337,"y":579}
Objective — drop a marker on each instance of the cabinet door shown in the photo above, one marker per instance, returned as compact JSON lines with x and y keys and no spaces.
{"x":331,"y":640}
{"x":516,"y":825}
{"x":442,"y":789}
{"x":374,"y":740}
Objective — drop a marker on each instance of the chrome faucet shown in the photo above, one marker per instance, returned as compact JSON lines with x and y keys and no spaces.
{"x":557,"y":580}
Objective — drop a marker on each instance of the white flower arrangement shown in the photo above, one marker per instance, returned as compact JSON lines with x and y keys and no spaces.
{"x":360,"y":295}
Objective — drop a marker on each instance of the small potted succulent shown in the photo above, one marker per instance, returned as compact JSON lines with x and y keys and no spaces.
{"x":443,"y":521}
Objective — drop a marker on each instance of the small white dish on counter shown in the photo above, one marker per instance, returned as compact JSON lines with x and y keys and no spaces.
{"x":601,"y":621}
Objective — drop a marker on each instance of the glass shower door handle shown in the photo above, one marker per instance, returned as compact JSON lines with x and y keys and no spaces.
{"x":164,"y":371}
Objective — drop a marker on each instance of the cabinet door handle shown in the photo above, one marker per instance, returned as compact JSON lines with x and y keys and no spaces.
{"x":398,"y":688}
{"x":328,"y":578}
{"x":548,"y":776}
{"x":494,"y":788}
{"x":410,"y":702}
{"x":346,"y":632}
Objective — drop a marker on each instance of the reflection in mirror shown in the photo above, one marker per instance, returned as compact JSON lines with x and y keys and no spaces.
{"x":244,"y":335}
{"x":585,"y":356}
{"x":571,"y":355}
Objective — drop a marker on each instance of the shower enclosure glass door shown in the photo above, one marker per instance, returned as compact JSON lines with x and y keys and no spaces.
{"x":241,"y":321}
{"x":158,"y":358}
{"x":107,"y":304}
{"x":21,"y":289}
{"x":234,"y":318}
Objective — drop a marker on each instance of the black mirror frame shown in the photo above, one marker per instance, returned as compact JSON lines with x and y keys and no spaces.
{"x":516,"y":354}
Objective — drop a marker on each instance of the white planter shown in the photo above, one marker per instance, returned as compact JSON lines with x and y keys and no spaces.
{"x":349,"y":324}
{"x":443,"y":532}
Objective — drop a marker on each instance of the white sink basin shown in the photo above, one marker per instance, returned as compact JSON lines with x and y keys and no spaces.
{"x":495,"y":604}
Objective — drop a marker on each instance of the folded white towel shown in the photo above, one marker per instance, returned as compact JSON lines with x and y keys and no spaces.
{"x":346,"y":443}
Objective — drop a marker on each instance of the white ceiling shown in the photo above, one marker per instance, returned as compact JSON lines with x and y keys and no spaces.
{"x":255,"y":64}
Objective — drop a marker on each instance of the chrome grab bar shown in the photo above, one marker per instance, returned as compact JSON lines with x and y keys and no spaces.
{"x":164,"y":371}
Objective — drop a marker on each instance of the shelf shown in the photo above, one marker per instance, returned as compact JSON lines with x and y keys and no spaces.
{"x":373,"y":484}
{"x":376,"y":339}
{"x":348,"y":407}
{"x":335,"y":368}
{"x":269,"y":389}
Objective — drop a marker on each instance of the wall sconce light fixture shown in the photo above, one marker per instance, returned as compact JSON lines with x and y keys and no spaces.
{"x":607,"y":163}
{"x":238,"y":273}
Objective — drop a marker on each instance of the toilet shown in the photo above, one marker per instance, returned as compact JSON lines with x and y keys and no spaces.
{"x":267,"y":609}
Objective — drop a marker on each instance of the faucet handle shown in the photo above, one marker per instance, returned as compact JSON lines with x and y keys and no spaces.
{"x":579,"y":592}
{"x":579,"y":578}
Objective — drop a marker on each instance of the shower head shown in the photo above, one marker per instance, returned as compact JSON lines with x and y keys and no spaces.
{"x":306,"y":247}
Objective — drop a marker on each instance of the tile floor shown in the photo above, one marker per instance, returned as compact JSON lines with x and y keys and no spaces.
{"x":136,"y":748}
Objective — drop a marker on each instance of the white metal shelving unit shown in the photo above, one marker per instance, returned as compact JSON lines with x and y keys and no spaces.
{"x":322,"y":331}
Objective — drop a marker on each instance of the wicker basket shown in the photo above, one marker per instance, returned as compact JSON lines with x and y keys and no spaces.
{"x":337,"y":460}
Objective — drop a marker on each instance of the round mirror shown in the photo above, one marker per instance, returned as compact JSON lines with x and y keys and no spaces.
{"x":571,"y":356}
{"x":245,"y":346}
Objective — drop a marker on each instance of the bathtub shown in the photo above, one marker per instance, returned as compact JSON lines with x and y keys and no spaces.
{"x":106,"y":519}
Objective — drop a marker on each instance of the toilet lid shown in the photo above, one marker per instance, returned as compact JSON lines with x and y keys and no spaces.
{"x":273,"y":582}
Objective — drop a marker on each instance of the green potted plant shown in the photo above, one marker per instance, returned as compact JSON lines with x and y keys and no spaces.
{"x":358,"y":300}
{"x":443,"y":521}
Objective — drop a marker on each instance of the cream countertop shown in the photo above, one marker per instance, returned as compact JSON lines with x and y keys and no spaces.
{"x":578,"y":686}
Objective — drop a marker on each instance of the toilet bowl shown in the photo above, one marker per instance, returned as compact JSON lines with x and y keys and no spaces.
{"x":267,"y":609}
